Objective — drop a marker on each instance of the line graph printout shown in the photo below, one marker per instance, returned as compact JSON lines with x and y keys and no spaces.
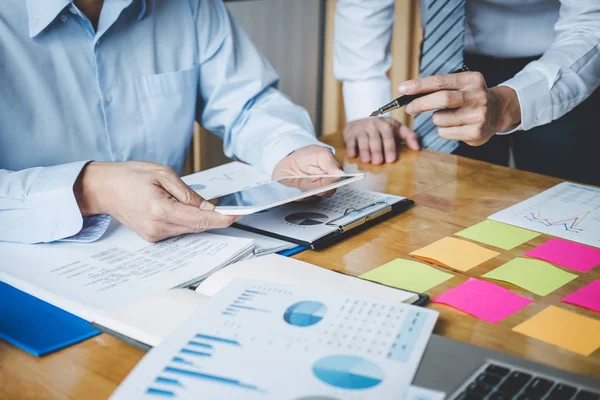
{"x":567,"y":210}
{"x":259,"y":340}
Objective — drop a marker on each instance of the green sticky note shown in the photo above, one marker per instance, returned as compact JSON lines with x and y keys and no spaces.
{"x":537,"y":276}
{"x":498,"y":234}
{"x":408,"y":275}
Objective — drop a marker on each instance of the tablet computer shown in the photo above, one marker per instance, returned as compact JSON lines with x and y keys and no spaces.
{"x":280,"y":191}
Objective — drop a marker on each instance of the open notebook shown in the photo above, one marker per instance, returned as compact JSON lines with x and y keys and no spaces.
{"x":145,"y":322}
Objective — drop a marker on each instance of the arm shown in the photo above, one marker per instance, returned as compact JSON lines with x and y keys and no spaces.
{"x":545,"y":90}
{"x":567,"y":73}
{"x":362,"y":58}
{"x":238,"y":89}
{"x":40,"y":205}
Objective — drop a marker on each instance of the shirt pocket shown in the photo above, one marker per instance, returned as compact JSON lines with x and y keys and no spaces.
{"x":168,"y":107}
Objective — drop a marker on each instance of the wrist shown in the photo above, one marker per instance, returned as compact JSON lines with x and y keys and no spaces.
{"x":86,"y":190}
{"x":508,"y":109}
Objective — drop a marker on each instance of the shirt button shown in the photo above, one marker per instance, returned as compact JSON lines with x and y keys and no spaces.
{"x":63,"y":18}
{"x":108,"y":97}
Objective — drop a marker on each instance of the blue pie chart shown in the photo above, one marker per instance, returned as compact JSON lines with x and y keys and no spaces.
{"x":348,"y":372}
{"x":305,"y":313}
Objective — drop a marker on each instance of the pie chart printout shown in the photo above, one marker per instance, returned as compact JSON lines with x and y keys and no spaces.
{"x":306,"y":218}
{"x":305,"y":313}
{"x":348,"y":372}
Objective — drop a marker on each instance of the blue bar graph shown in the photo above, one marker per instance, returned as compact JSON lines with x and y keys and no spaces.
{"x":198,"y":344}
{"x":160,"y":392}
{"x":180,"y":360}
{"x":407,"y":337}
{"x":253,"y":292}
{"x":217,"y":339}
{"x":168,"y":381}
{"x":250,"y":308}
{"x":195,"y":353}
{"x":214,"y":378}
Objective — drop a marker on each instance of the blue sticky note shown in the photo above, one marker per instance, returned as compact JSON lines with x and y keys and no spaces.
{"x":36,"y":326}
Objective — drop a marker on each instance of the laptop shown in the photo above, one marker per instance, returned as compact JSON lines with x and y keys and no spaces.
{"x":467,"y":372}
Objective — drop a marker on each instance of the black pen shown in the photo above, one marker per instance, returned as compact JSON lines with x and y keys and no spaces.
{"x":404,"y":100}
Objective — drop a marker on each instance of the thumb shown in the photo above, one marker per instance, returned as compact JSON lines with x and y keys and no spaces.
{"x":409,"y":136}
{"x":329,"y":164}
{"x":182,"y":192}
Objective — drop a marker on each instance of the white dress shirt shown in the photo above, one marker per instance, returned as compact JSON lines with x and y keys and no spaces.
{"x":566,"y":32}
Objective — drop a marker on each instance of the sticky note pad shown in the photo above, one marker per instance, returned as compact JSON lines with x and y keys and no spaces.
{"x":587,"y":297}
{"x":484,"y":300}
{"x":567,"y":254}
{"x":408,"y":275}
{"x":564,"y":329}
{"x":454,"y":253}
{"x":498,"y":234}
{"x":537,"y":276}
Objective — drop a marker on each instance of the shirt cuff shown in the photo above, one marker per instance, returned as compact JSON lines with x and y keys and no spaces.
{"x":361,"y":98}
{"x":93,"y":228}
{"x":51,"y":196}
{"x":284,"y":145}
{"x":534,"y":99}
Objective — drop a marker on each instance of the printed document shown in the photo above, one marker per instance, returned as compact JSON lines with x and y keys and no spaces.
{"x":567,"y":210}
{"x":85,"y":279}
{"x":258,"y":340}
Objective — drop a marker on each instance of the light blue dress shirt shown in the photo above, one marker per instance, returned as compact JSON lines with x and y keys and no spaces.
{"x":128,"y":91}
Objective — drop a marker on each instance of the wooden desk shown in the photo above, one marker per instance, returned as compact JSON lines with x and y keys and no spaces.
{"x":451,"y":193}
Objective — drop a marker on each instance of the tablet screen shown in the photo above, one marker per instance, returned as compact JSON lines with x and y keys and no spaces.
{"x":273,"y":192}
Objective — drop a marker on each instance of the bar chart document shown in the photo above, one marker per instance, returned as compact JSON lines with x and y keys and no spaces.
{"x":567,"y":210}
{"x":258,"y":340}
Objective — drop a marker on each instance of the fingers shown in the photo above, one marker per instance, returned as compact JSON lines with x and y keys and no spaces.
{"x":364,"y":148}
{"x":329,"y":164}
{"x":470,"y":134}
{"x":350,"y":146}
{"x":177,"y":188}
{"x":461,"y":116}
{"x":197,"y":220}
{"x":409,"y":136}
{"x":375,"y":146}
{"x":436,"y":101}
{"x":436,"y":83}
{"x":388,"y":136}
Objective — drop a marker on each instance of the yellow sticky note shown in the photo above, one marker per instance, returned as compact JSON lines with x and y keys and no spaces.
{"x":564,"y":329}
{"x":408,"y":275}
{"x":454,"y":253}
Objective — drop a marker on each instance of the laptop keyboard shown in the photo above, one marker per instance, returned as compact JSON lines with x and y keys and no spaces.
{"x":499,"y":381}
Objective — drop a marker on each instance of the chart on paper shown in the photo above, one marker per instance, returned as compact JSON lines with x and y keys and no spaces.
{"x":241,"y":344}
{"x":567,"y":210}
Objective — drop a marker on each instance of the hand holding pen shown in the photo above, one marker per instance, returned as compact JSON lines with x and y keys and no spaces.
{"x":464,"y":107}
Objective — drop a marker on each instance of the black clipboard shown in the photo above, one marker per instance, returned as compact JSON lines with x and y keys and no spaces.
{"x":346,"y":225}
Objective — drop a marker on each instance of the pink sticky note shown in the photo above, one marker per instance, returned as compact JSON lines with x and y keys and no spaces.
{"x":586,"y":297}
{"x":484,"y":300}
{"x":568,"y":254}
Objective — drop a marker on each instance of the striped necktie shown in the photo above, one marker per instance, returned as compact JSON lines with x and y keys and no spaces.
{"x":442,"y":53}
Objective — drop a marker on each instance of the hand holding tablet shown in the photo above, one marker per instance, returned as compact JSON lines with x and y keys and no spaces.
{"x":280,"y":191}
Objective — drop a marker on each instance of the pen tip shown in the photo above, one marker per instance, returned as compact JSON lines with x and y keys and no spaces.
{"x":375,"y":113}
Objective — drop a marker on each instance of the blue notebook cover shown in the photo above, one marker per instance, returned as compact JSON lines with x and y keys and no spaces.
{"x":291,"y":252}
{"x":36,"y":326}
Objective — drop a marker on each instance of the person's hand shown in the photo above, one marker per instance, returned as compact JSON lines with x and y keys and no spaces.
{"x":309,"y":160}
{"x":146,"y":197}
{"x":466,"y":109}
{"x":376,"y":139}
